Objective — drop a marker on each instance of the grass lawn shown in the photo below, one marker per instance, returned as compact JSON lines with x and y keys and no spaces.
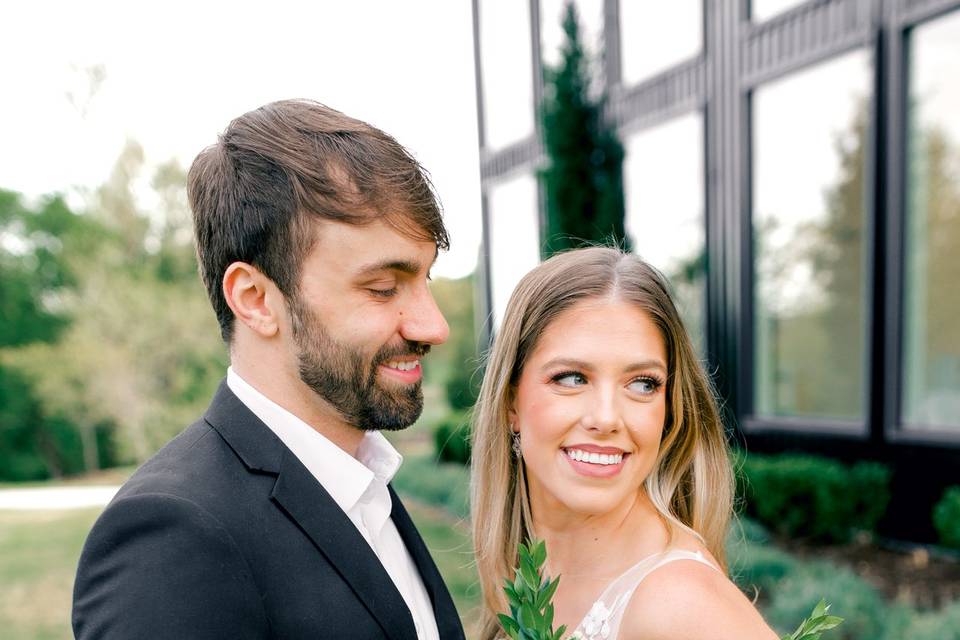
{"x":38,"y":558}
{"x":39,"y":552}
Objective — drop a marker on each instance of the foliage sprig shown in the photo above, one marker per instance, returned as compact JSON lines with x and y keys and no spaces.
{"x":529,"y":596}
{"x":814,"y":626}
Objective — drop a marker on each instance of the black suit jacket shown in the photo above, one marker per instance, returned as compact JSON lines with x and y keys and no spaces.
{"x":225,"y":534}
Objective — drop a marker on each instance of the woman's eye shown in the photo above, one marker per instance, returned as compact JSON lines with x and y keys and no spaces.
{"x":645,"y":386}
{"x":569,"y":379}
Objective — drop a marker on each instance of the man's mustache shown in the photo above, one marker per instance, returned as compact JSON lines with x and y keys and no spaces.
{"x":409,"y":348}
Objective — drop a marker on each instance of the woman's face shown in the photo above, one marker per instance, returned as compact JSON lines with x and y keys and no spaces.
{"x":590,"y":407}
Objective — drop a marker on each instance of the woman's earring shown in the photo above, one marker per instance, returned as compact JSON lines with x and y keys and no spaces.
{"x":516,"y":444}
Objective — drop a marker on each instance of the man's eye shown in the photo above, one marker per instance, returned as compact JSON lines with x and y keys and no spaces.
{"x":384,"y":293}
{"x":569,"y":379}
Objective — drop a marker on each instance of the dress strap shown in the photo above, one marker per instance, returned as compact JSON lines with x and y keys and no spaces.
{"x":602,"y":622}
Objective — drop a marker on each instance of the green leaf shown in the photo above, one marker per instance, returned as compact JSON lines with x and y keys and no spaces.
{"x":509,"y":625}
{"x":540,"y":553}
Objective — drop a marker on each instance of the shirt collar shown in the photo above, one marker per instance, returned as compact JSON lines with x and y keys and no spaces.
{"x":344,"y":477}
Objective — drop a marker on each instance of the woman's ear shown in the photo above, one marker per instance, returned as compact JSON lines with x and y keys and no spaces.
{"x":249,"y":294}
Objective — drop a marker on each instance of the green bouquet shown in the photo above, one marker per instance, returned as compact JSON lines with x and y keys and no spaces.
{"x":530,"y":596}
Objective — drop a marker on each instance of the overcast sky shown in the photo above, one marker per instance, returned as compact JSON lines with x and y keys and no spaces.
{"x":177,"y":72}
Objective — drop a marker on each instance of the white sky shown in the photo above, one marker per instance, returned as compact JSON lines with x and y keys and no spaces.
{"x":178,"y":72}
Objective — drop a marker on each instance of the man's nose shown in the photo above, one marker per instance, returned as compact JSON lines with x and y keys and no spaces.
{"x":424,"y":322}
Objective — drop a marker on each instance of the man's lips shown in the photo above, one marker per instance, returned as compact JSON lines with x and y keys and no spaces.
{"x":406,"y":370}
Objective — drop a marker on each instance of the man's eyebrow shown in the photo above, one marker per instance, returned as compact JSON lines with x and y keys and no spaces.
{"x":409,"y":267}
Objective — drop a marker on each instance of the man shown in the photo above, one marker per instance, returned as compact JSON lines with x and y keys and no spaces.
{"x":272,"y":516}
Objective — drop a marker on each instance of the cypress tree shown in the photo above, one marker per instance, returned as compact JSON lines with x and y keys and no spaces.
{"x":583,"y":180}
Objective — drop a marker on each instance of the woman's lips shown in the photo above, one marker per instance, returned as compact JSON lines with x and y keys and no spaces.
{"x":595,"y":461}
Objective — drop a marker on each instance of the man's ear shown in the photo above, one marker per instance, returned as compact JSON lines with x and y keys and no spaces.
{"x":252,"y":298}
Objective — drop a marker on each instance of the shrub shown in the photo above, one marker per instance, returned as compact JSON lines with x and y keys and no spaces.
{"x":755,"y":565}
{"x":463,"y":384}
{"x":442,"y":485}
{"x":946,"y":517}
{"x":860,"y":605}
{"x":938,"y":625}
{"x":812,"y":497}
{"x":451,"y":438}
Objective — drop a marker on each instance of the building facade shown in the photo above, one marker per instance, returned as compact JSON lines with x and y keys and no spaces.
{"x":794,"y":169}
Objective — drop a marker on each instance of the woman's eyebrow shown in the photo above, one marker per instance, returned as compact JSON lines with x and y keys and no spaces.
{"x":653,"y":363}
{"x":567,"y":362}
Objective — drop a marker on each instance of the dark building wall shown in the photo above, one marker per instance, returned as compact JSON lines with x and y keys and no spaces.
{"x":739,"y":60}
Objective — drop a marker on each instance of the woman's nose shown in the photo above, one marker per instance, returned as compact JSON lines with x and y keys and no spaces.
{"x":602,"y":414}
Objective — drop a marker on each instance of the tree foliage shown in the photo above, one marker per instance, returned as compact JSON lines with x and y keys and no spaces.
{"x":111,"y":347}
{"x":583,"y":181}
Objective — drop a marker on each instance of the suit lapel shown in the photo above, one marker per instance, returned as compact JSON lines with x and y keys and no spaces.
{"x":448,"y":621}
{"x":299,"y":494}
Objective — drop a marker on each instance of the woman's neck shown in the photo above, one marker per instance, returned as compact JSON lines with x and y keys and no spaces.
{"x":599,"y":547}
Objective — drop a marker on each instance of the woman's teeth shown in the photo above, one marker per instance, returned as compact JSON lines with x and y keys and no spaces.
{"x":403,"y":366}
{"x":595,"y":458}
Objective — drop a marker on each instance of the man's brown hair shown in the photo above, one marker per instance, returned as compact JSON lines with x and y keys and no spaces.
{"x":255,"y":193}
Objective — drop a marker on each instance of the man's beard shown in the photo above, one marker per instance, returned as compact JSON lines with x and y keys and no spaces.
{"x":340,"y":375}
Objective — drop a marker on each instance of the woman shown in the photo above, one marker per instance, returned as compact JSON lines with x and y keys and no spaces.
{"x":597,"y":431}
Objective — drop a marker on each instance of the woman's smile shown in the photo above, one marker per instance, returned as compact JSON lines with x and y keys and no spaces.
{"x":595,"y":461}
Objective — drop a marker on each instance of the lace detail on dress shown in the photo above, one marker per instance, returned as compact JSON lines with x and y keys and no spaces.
{"x":602,"y":622}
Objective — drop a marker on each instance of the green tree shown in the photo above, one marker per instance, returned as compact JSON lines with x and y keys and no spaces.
{"x":141,"y":354}
{"x":37,"y":282}
{"x":839,"y":266}
{"x":583,"y":180}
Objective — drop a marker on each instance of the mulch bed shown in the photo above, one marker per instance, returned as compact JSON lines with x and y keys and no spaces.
{"x":922,"y":577}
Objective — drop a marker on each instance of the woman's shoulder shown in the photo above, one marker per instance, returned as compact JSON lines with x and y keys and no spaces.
{"x":690,"y":600}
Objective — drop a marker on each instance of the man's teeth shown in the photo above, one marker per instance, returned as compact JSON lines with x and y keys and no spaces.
{"x":403,"y":366}
{"x":595,"y":458}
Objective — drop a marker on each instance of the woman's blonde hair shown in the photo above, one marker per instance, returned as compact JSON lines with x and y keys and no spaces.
{"x":691,"y":484}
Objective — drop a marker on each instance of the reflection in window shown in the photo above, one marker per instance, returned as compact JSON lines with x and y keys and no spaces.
{"x":663,"y":175}
{"x":507,"y":71}
{"x":657,"y":35}
{"x":514,"y":249}
{"x":761,"y":10}
{"x":931,"y":347}
{"x":590,"y":17}
{"x":809,"y":157}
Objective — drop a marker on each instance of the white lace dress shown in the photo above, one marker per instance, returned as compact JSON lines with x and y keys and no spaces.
{"x":602,"y":622}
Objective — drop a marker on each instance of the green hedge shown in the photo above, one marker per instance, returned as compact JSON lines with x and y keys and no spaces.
{"x":811,"y":497}
{"x":946,"y":517}
{"x":440,"y":484}
{"x":451,"y":438}
{"x":860,"y":605}
{"x":787,"y":588}
{"x":937,"y":625}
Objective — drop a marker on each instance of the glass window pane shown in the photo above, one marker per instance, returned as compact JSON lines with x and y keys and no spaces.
{"x":761,"y":10}
{"x":590,"y":16}
{"x":931,"y":347}
{"x":657,"y":35}
{"x":514,"y":228}
{"x":810,"y":300}
{"x":507,"y":71}
{"x":663,"y":176}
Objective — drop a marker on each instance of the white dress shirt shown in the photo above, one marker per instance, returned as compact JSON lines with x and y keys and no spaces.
{"x":358,"y":486}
